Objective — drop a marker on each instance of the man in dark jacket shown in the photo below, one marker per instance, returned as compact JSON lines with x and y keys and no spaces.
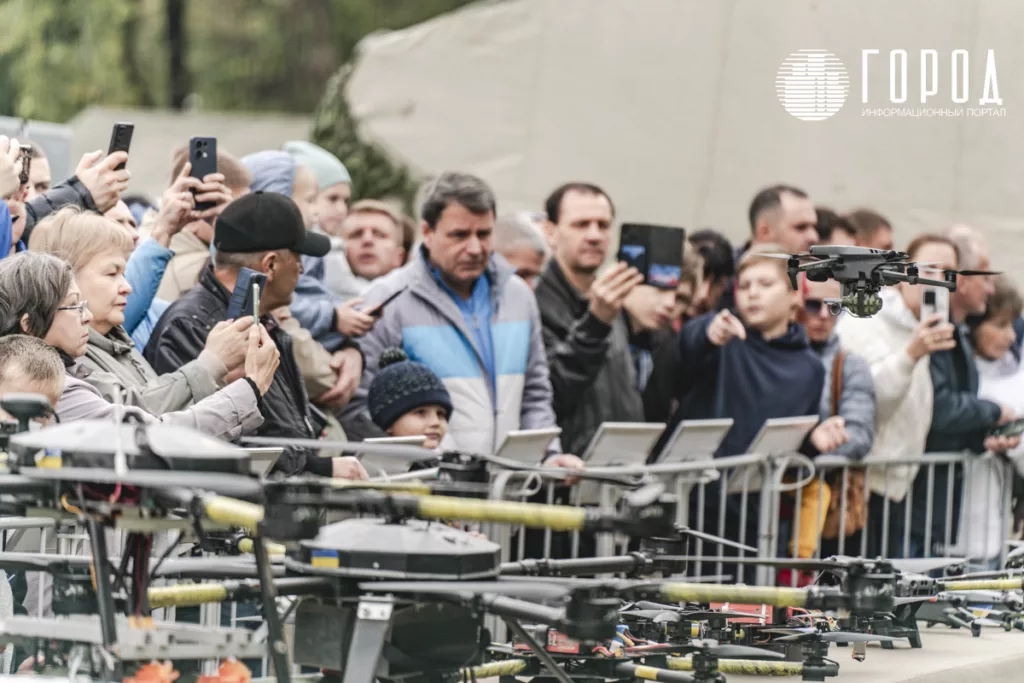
{"x":263,"y":231}
{"x":960,"y":420}
{"x":781,"y":215}
{"x":586,"y":334}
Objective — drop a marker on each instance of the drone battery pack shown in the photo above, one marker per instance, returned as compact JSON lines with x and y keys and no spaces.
{"x":759,"y":614}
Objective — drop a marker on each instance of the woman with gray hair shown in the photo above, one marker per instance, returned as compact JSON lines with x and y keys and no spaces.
{"x":98,"y":248}
{"x":39,"y":297}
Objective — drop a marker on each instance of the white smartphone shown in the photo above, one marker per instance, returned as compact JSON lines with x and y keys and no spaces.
{"x":527,"y":446}
{"x":935,"y":300}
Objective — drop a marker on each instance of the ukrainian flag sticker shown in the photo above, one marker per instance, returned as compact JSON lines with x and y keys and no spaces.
{"x":327,"y":559}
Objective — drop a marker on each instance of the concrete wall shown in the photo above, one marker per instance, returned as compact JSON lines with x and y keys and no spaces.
{"x":672,"y":106}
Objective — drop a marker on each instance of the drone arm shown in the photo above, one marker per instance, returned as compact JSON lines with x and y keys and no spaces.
{"x":750,"y":667}
{"x":575,"y":567}
{"x":511,"y":608}
{"x":985,"y":584}
{"x":650,"y":673}
{"x":191,"y":595}
{"x":893,"y":276}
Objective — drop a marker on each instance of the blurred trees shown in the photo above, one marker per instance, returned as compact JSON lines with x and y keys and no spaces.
{"x":58,"y":56}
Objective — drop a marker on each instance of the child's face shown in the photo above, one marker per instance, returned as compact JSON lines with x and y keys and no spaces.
{"x":764,"y":296}
{"x":428,"y":421}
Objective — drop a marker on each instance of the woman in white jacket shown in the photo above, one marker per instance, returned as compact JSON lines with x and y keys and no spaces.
{"x":897,"y":345}
{"x":1000,"y":379}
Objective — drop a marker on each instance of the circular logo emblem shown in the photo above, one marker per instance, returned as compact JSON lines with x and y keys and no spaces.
{"x":812,"y":84}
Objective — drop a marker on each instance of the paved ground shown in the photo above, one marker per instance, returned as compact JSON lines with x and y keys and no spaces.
{"x":947,"y":656}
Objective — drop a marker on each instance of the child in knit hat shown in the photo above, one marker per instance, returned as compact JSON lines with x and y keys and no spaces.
{"x":407,"y":399}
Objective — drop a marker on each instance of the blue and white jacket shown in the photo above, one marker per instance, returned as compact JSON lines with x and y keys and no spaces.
{"x":426,"y":322}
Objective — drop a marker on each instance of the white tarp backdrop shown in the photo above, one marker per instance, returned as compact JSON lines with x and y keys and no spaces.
{"x":671,"y":105}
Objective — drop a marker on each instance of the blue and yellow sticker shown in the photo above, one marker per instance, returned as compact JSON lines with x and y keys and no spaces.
{"x":327,"y":559}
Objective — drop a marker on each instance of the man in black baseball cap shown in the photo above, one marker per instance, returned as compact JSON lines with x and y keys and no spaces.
{"x":266,"y":221}
{"x":262,"y":231}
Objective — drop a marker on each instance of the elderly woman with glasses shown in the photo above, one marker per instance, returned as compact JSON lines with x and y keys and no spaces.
{"x":98,"y":249}
{"x":40,"y":297}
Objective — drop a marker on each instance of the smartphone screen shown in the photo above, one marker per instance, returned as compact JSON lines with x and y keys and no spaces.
{"x":656,"y":251}
{"x":935,"y":300}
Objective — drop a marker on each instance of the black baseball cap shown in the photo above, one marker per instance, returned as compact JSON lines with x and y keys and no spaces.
{"x":265,"y":221}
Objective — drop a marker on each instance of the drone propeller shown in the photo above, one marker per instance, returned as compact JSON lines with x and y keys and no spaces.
{"x":787,"y":257}
{"x":404,"y":452}
{"x":925,"y":565}
{"x":835,"y":637}
{"x":970,"y":273}
{"x":233,"y":485}
{"x":526,"y":590}
{"x":728,"y":651}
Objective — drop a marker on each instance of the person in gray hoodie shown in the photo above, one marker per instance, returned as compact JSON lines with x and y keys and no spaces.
{"x":857,"y":395}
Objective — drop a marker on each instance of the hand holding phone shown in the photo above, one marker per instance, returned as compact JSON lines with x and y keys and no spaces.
{"x":610,"y":289}
{"x":931,"y":335}
{"x":352,"y":322}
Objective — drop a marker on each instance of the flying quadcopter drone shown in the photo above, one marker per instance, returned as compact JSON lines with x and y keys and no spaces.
{"x":862,"y":272}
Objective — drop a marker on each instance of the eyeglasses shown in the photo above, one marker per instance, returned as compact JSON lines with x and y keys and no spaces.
{"x":813,"y":306}
{"x":81,"y":307}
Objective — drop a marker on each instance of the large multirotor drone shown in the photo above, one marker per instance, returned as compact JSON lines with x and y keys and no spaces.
{"x":862,"y":272}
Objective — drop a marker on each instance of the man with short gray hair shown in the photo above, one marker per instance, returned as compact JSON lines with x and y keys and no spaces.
{"x":461,"y":312}
{"x":519,"y":238}
{"x":30,"y":366}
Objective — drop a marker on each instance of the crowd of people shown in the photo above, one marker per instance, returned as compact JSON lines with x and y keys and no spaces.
{"x":475,"y":322}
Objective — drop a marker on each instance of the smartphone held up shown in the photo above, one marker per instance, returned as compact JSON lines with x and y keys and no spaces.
{"x":202,"y":155}
{"x":245,"y":298}
{"x":654,"y":250}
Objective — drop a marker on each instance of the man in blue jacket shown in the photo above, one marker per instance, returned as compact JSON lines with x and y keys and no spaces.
{"x":462,"y":311}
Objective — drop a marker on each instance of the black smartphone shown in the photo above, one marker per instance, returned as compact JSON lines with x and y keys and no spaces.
{"x":26,"y":163}
{"x":245,"y":299}
{"x":378,"y":310}
{"x":655,"y":250}
{"x":202,"y":154}
{"x":121,"y":140}
{"x":1011,"y":428}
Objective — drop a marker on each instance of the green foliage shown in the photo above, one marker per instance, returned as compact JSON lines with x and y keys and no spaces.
{"x":60,"y":53}
{"x":58,"y":56}
{"x":374,"y":174}
{"x":241,"y":55}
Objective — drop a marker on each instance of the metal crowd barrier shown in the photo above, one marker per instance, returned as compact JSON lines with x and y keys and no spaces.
{"x":982,"y":482}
